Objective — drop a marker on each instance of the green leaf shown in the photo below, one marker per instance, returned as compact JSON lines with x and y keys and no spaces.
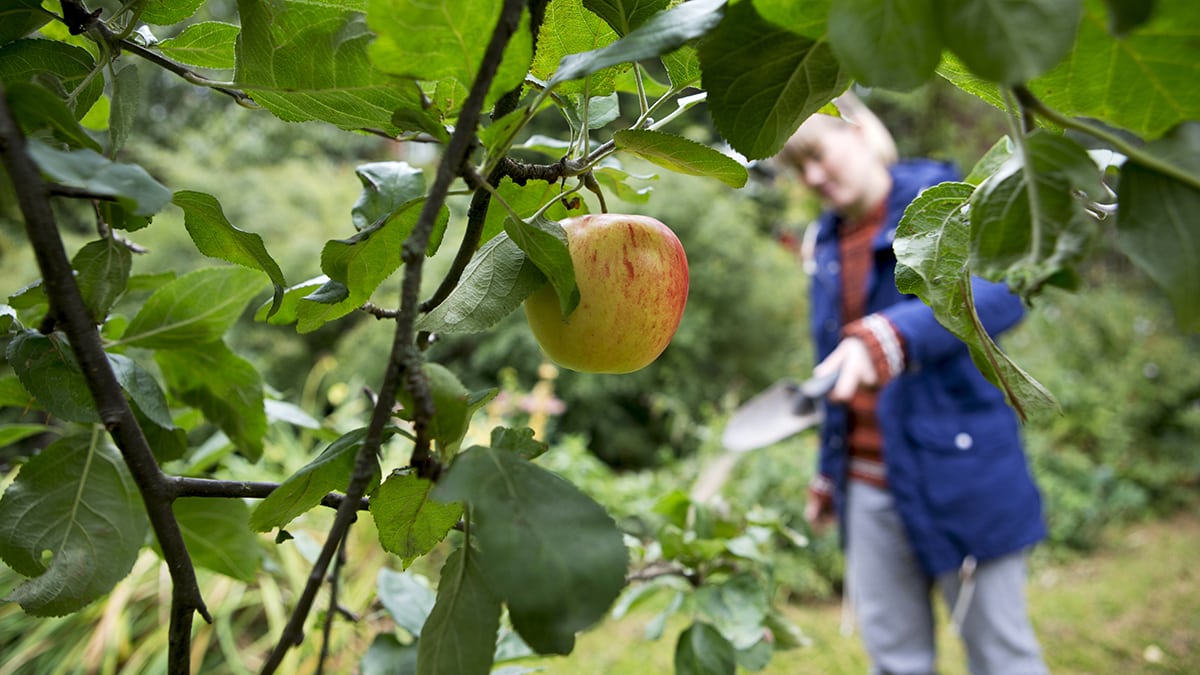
{"x":495,"y":282}
{"x":682,"y":155}
{"x":618,"y":182}
{"x":460,"y":635}
{"x":303,"y":490}
{"x":407,"y":597}
{"x":53,"y":63}
{"x":763,"y":80}
{"x":553,"y":553}
{"x":122,"y":115}
{"x":1156,"y":221}
{"x":526,"y":200}
{"x":364,"y":261}
{"x":167,"y":12}
{"x":47,"y":369}
{"x":102,"y":270}
{"x":663,"y":33}
{"x":886,"y":43}
{"x":1009,"y":42}
{"x":194,"y":309}
{"x":1028,"y":226}
{"x":569,"y":28}
{"x":738,"y":607}
{"x":142,"y":389}
{"x":207,"y":44}
{"x":130,"y":184}
{"x":76,"y":500}
{"x":683,"y":66}
{"x":14,"y":394}
{"x":222,"y":385}
{"x":286,"y":312}
{"x":308,"y":61}
{"x":15,"y":433}
{"x":388,"y":656}
{"x":410,"y":524}
{"x":36,"y":107}
{"x":625,"y":15}
{"x":702,"y":650}
{"x":519,"y":441}
{"x":802,"y":17}
{"x":386,"y":187}
{"x":19,"y":18}
{"x":453,"y":407}
{"x":545,"y":242}
{"x":931,"y":252}
{"x":218,"y":537}
{"x":216,"y":237}
{"x":1000,"y":152}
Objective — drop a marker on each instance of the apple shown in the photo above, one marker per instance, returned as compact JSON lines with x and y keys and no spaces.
{"x":632,"y":276}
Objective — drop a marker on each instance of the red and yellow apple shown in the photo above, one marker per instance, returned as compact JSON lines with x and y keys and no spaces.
{"x":632,"y":276}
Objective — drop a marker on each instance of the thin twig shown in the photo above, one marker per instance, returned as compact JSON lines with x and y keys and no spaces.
{"x":332,"y":612}
{"x":183,"y":486}
{"x":404,"y":363}
{"x":70,"y":312}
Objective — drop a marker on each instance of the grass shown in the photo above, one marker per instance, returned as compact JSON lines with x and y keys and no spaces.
{"x":1131,"y":607}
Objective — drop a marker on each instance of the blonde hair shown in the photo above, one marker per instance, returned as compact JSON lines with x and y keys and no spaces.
{"x":853,"y":112}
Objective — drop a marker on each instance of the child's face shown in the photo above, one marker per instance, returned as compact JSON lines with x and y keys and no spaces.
{"x":835,"y":161}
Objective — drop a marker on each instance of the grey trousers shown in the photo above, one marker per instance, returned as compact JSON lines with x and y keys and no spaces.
{"x":890,"y":594}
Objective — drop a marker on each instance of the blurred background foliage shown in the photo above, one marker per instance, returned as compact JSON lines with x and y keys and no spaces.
{"x":1126,"y":446}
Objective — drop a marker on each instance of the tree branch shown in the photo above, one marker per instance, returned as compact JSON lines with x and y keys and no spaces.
{"x":68,"y":309}
{"x":182,"y":486}
{"x":404,"y":363}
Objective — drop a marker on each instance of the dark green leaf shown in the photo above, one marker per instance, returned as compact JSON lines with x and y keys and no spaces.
{"x":102,"y":270}
{"x":702,"y":650}
{"x":47,"y":369}
{"x":886,"y":43}
{"x":460,"y":635}
{"x":410,"y":524}
{"x":28,"y":297}
{"x":763,"y":80}
{"x":218,"y":537}
{"x":625,"y":15}
{"x":216,"y":237}
{"x":682,"y":155}
{"x":407,"y":598}
{"x":519,"y":441}
{"x":19,"y":18}
{"x":496,"y":281}
{"x":303,"y":490}
{"x":208,"y":44}
{"x":329,"y":293}
{"x":553,"y":553}
{"x":526,"y":200}
{"x":118,"y":217}
{"x":122,"y":114}
{"x":168,"y":443}
{"x":222,"y":385}
{"x":545,"y":242}
{"x":363,"y":261}
{"x":803,"y":17}
{"x":1009,"y":42}
{"x":194,"y":309}
{"x":132,"y":187}
{"x":386,"y":187}
{"x":663,"y":33}
{"x":991,"y":161}
{"x":1125,"y":15}
{"x":308,"y":61}
{"x":167,"y":12}
{"x":1157,"y":220}
{"x":453,"y":406}
{"x":931,"y":251}
{"x":77,"y":500}
{"x":53,"y":62}
{"x":619,"y":183}
{"x":36,"y":107}
{"x":1028,"y":226}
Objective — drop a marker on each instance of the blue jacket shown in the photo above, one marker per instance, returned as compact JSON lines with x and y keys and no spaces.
{"x":952,"y":446}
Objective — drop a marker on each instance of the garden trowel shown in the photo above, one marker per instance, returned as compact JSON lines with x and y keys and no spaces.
{"x":783,"y":409}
